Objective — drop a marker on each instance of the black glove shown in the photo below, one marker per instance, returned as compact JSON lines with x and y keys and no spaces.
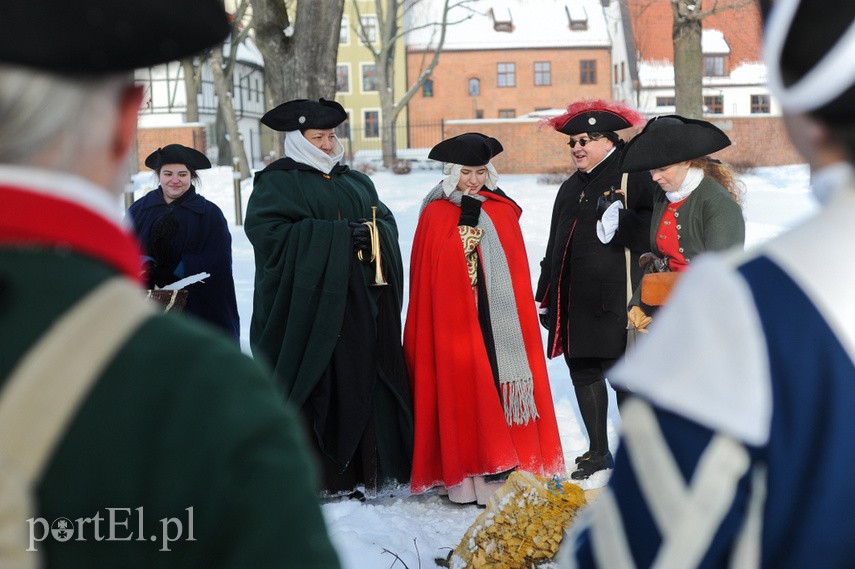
{"x":470,"y":210}
{"x":606,"y":200}
{"x":544,"y":319}
{"x":361,"y":236}
{"x":159,"y":275}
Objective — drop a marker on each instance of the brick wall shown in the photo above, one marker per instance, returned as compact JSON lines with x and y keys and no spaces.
{"x":757,"y":141}
{"x":529,"y":149}
{"x":150,"y":139}
{"x":652,"y":23}
{"x":451,"y":99}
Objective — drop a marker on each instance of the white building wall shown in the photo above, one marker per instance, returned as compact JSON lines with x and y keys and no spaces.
{"x":622,"y":88}
{"x":165,"y":102}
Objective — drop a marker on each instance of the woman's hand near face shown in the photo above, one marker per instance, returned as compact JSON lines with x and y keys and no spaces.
{"x":472,"y":179}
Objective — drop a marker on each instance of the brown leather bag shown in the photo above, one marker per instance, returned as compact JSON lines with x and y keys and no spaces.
{"x":655,"y":287}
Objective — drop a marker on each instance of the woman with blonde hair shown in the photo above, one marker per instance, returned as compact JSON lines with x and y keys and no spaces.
{"x":700,"y":206}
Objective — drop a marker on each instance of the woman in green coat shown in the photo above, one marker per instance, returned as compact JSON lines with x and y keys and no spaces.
{"x":700,"y":206}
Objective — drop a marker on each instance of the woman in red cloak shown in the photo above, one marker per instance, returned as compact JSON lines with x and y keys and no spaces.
{"x":483,"y":406}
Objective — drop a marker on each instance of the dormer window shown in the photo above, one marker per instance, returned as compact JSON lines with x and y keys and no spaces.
{"x":502,"y":19}
{"x":577,"y":17}
{"x":716,"y":54}
{"x":715,"y":65}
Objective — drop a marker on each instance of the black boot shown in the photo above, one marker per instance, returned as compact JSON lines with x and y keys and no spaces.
{"x":592,"y":465}
{"x":593,"y":402}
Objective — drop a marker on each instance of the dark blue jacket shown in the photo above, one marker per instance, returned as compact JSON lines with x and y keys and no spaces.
{"x":202,"y":243}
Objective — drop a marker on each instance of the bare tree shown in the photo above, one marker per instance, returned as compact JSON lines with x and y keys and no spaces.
{"x":299,"y":55}
{"x":222,"y":70}
{"x":688,"y":51}
{"x":192,"y":77}
{"x":390,"y":17}
{"x":223,"y":85}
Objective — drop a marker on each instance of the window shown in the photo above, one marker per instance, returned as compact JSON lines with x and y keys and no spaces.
{"x":369,"y":77}
{"x":342,"y":78}
{"x":714,"y":66}
{"x":507,"y":113}
{"x":714,"y":104}
{"x":622,"y":72}
{"x":474,"y":87}
{"x":506,"y":74}
{"x":479,"y":113}
{"x":542,"y":73}
{"x":588,"y":72}
{"x":759,"y":104}
{"x":369,"y":28}
{"x":344,"y":31}
{"x":427,"y":89}
{"x":342,"y":131}
{"x":371,"y":120}
{"x":665,"y":101}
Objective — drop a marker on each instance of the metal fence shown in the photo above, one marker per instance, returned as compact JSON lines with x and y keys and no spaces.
{"x":365,"y":139}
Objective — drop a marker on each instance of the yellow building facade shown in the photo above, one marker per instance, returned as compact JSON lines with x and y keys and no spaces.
{"x":356,"y":81}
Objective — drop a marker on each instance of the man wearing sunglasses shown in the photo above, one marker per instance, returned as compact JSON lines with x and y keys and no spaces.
{"x":599,"y":228}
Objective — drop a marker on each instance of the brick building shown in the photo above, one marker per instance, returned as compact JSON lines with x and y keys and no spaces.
{"x":510,"y":58}
{"x":508,"y":83}
{"x":736,"y":97}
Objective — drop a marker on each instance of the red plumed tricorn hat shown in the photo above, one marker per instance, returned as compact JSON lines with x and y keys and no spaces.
{"x":596,"y":115}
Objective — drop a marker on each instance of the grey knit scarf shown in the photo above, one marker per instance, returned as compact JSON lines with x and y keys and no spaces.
{"x":515,"y":377}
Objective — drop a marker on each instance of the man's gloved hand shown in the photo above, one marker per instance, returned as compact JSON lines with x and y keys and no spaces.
{"x":606,"y":200}
{"x":639,"y":319}
{"x":544,"y":319}
{"x":470,"y":211}
{"x":361,"y":236}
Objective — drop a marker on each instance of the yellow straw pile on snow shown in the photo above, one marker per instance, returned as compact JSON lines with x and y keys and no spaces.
{"x":522,"y":525}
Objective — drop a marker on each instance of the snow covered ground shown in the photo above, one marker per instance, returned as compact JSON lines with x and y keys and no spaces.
{"x":396,"y":529}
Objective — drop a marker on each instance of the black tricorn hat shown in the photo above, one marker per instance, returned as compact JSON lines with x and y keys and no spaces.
{"x":671,"y":139}
{"x":469,"y":149}
{"x":98,"y":37}
{"x":596,"y":115}
{"x":808,"y":51}
{"x":303,"y":114}
{"x":177,"y":154}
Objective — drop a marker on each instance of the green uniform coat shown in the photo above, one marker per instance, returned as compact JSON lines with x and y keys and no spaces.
{"x":179,"y":420}
{"x":709,"y":220}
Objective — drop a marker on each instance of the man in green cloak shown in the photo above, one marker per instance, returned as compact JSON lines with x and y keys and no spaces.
{"x":328,"y":296}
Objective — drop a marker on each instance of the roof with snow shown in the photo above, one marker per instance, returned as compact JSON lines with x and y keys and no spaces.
{"x":660,"y":73}
{"x":712,"y":41}
{"x":653,"y":74}
{"x":511,"y":24}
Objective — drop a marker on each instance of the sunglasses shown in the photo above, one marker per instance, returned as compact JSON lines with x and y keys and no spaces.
{"x":582,"y":141}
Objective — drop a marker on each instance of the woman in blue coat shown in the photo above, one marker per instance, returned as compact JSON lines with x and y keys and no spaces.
{"x":183,"y":234}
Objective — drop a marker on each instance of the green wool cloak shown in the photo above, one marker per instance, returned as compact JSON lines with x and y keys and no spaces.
{"x":333,"y":340}
{"x":179,"y":419}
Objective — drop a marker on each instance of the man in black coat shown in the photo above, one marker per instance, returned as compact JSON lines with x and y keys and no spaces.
{"x":599,"y":228}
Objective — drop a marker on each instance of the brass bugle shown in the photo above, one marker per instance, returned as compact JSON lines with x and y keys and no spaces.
{"x":374,"y":235}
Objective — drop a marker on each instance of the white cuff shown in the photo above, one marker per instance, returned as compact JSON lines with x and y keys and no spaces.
{"x":607,"y":226}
